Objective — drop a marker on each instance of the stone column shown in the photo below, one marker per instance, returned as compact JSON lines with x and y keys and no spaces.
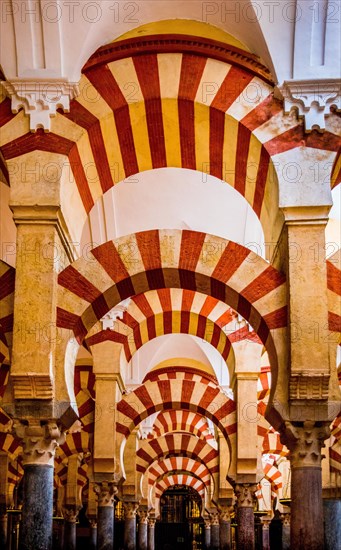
{"x":266,"y":533}
{"x":93,"y":534}
{"x":207,"y":523}
{"x":285,"y":531}
{"x":151,"y":533}
{"x":215,"y":531}
{"x":332,"y":517}
{"x":39,"y":444}
{"x":245,"y":518}
{"x":143,"y":530}
{"x":130,"y":509}
{"x":105,"y":516}
{"x":70,"y":534}
{"x":3,"y":527}
{"x":305,"y":440}
{"x":225,"y":528}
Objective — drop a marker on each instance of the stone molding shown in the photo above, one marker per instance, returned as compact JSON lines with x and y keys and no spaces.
{"x":305,"y":442}
{"x":245,"y":493}
{"x":39,"y":441}
{"x":309,"y":386}
{"x":312,"y":99}
{"x":105,"y":491}
{"x":40,"y":100}
{"x":130,"y":509}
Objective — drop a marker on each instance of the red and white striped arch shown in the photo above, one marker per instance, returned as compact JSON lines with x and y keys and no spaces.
{"x":84,"y":385}
{"x":125,"y":267}
{"x":176,"y":479}
{"x":177,"y":444}
{"x":152,"y":110}
{"x":7,"y":284}
{"x":178,"y":464}
{"x":192,"y":392}
{"x":179,"y":479}
{"x":182,"y":421}
{"x":75,"y":443}
{"x":334,"y":293}
{"x":173,"y":310}
{"x":61,"y":470}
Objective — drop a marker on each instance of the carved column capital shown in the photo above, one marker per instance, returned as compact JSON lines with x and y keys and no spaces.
{"x":70,"y":513}
{"x":207,"y":522}
{"x":105,"y":491}
{"x":130,"y":509}
{"x":224,"y":514}
{"x":214,"y":517}
{"x":265,"y":523}
{"x":286,"y":519}
{"x":40,"y":441}
{"x":143,"y":516}
{"x":151,"y":522}
{"x":305,"y":442}
{"x":93,"y":523}
{"x":245,"y":493}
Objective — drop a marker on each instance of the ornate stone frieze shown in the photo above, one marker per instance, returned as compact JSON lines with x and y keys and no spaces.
{"x":39,"y":440}
{"x":312,"y":99}
{"x":105,"y":491}
{"x":305,"y":442}
{"x":245,"y":493}
{"x":40,"y":100}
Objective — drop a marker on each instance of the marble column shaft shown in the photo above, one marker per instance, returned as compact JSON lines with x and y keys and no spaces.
{"x":70,"y":535}
{"x":245,"y":517}
{"x":130,"y":509}
{"x":37,"y":511}
{"x":305,"y":440}
{"x":266,"y":535}
{"x":3,"y":529}
{"x":332,"y":516}
{"x":105,"y":515}
{"x":207,"y":534}
{"x":93,"y":535}
{"x":151,"y":534}
{"x":143,"y":531}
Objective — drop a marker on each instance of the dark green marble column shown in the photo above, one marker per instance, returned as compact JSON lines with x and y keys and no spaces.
{"x":105,"y":514}
{"x":37,"y":510}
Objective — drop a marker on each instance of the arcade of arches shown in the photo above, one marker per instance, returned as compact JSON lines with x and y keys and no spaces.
{"x":170,"y":276}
